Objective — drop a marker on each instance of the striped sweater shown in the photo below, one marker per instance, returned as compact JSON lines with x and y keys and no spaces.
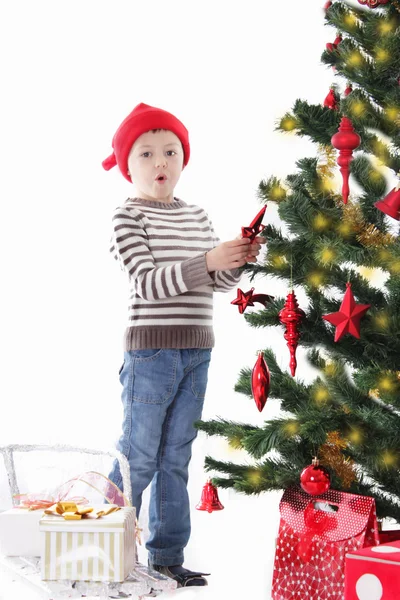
{"x":162,"y":247}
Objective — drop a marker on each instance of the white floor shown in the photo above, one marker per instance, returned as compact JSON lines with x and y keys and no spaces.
{"x":235,"y":545}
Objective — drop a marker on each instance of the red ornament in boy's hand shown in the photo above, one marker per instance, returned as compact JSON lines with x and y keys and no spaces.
{"x":255,"y":226}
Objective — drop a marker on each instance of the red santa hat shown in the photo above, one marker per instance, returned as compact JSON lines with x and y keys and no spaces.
{"x":143,"y":118}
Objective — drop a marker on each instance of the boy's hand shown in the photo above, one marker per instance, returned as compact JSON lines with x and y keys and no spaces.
{"x":228,"y":255}
{"x":255,"y":248}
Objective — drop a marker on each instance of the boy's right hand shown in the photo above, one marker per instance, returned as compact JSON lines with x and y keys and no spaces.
{"x":228,"y":255}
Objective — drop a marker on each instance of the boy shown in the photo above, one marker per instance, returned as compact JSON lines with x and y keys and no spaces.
{"x":174,"y":262}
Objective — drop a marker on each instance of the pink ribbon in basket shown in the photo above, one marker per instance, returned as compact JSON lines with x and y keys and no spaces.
{"x":98,"y":482}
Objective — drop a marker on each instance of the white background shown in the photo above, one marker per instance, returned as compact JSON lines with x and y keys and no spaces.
{"x":70,"y":73}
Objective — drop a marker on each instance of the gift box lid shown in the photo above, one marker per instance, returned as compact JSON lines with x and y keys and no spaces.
{"x":385,"y":553}
{"x":114,"y":522}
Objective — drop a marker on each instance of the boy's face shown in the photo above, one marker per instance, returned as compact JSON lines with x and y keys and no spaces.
{"x":153,"y":154}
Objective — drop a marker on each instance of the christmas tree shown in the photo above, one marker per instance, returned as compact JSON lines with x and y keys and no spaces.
{"x":349,"y":415}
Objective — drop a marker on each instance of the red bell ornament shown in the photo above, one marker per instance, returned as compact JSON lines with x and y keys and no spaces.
{"x":331,"y":100}
{"x":209,"y":498}
{"x":315,"y":479}
{"x":348,"y":90}
{"x":390,"y":205}
{"x":260,"y":381}
{"x":291,"y":316}
{"x":345,"y":140}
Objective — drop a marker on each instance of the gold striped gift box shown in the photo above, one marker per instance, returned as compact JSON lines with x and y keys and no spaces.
{"x":100,"y":549}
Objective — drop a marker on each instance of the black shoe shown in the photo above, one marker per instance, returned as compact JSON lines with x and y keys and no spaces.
{"x":182,"y":576}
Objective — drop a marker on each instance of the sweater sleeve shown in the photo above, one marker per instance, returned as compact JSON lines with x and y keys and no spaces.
{"x":223,"y":281}
{"x":130,"y":247}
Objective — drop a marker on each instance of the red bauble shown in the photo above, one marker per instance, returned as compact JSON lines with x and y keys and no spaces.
{"x":245,"y":299}
{"x":260,"y":380}
{"x":390,"y":205}
{"x":348,"y":317}
{"x":345,"y":140}
{"x":331,"y":100}
{"x":291,"y":316}
{"x":315,"y":479}
{"x":255,"y":226}
{"x":373,"y":3}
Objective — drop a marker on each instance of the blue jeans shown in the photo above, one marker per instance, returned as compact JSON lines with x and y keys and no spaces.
{"x":163,"y":394}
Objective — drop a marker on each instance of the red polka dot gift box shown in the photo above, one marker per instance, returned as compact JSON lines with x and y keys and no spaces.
{"x":315,"y":534}
{"x":373,"y":573}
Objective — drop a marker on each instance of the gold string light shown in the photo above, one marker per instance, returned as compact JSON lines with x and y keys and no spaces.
{"x":291,"y":428}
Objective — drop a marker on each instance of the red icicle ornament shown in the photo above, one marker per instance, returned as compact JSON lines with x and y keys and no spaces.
{"x":260,"y":380}
{"x":345,"y":140}
{"x":315,"y":479}
{"x":291,"y":316}
{"x":209,"y":498}
{"x":390,"y":205}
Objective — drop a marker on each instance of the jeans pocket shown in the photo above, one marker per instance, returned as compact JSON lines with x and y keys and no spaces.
{"x":146,"y":354}
{"x":154,"y":375}
{"x":200,"y":374}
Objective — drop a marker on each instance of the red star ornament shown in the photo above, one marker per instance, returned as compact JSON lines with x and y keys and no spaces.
{"x":347,"y":319}
{"x":245,"y":299}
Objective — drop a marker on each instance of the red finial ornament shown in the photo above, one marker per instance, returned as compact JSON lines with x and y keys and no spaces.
{"x":390,"y":205}
{"x":331,"y":100}
{"x":260,"y":380}
{"x":345,"y":140}
{"x":327,"y":5}
{"x":209,"y":498}
{"x":291,"y":316}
